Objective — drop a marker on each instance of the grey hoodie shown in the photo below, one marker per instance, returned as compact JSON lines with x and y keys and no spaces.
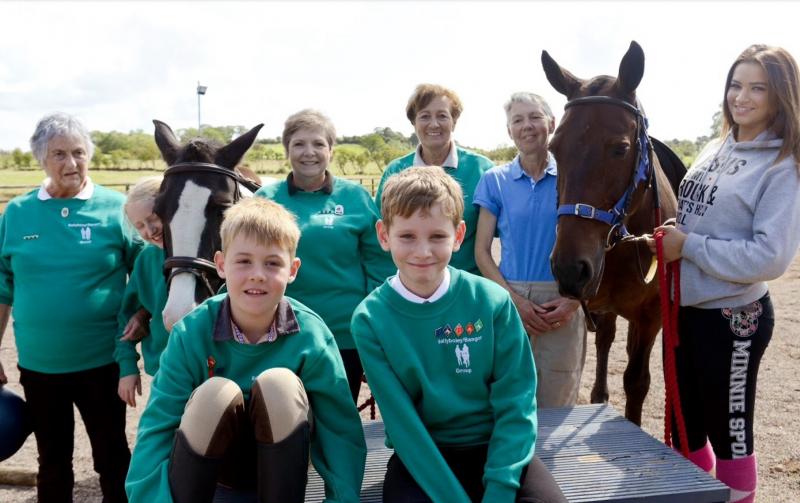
{"x":741,"y":213}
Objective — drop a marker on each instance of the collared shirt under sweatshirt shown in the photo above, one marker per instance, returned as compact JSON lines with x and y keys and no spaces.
{"x":202,"y":343}
{"x":471,"y":167}
{"x":740,"y":210}
{"x":455,"y":372}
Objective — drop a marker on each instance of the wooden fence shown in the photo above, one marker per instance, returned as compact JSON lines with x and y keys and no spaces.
{"x":8,"y":192}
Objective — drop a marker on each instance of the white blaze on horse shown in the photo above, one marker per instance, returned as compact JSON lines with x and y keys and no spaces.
{"x":201,"y":182}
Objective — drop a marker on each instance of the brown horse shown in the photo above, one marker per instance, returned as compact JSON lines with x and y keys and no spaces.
{"x":609,"y":186}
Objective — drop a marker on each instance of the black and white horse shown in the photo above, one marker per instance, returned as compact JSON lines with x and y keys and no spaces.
{"x":201,"y":182}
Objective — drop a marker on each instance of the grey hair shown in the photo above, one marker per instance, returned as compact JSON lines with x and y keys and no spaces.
{"x":58,"y":124}
{"x":531,"y":98}
{"x":308,"y":119}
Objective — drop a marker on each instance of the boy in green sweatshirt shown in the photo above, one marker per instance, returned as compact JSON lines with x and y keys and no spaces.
{"x":230,"y":407}
{"x":447,"y":359}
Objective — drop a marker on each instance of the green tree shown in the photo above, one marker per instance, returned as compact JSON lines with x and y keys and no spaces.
{"x":143,"y":148}
{"x":361,"y":160}
{"x":222,"y":134}
{"x":375,"y":144}
{"x":16,"y":156}
{"x":716,"y":122}
{"x":342,"y":157}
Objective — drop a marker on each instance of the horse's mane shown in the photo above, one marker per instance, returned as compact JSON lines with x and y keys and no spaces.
{"x":671,"y":164}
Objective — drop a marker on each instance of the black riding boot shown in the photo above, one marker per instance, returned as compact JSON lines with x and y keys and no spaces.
{"x":192,"y":477}
{"x":283,"y":468}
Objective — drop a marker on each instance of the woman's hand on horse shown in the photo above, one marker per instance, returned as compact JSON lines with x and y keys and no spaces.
{"x":672,"y":242}
{"x":137,"y":327}
{"x":129,"y":387}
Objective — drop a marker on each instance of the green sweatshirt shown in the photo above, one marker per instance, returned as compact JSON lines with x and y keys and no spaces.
{"x":63,"y":266}
{"x":146,"y":288}
{"x":458,"y":371}
{"x":338,"y":450}
{"x":470,"y":168}
{"x":342,"y":260}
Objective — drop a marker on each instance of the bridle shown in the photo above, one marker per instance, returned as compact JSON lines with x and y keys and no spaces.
{"x":644,"y":173}
{"x":615,"y":217}
{"x":197,"y":266}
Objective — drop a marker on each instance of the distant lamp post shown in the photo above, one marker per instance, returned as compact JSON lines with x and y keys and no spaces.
{"x":201,"y":90}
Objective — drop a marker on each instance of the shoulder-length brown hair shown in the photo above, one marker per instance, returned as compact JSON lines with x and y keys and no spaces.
{"x":784,"y":95}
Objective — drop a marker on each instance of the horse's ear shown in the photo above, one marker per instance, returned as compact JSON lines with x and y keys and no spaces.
{"x":561,"y":80}
{"x":167,"y":142}
{"x":631,"y":69}
{"x":230,"y":155}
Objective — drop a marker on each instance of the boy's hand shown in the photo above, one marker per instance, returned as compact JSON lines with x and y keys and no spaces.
{"x":559,"y":311}
{"x":531,"y":315}
{"x":129,"y":387}
{"x":137,"y":327}
{"x":3,"y":378}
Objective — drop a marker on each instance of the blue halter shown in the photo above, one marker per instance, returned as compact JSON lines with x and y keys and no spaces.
{"x":644,"y":172}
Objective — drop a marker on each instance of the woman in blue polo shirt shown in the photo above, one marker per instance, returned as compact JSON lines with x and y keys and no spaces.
{"x":518,"y":201}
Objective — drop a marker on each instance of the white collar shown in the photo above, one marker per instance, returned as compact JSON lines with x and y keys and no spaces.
{"x":410,"y":296}
{"x":451,"y":161}
{"x":85,"y":193}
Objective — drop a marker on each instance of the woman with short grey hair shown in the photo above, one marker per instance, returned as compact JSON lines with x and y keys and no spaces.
{"x":65,"y":254}
{"x":517,"y":202}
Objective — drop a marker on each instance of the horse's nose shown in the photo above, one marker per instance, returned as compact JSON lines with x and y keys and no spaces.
{"x":573,"y":277}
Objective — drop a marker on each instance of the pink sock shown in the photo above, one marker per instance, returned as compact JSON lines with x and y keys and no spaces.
{"x":703,"y":457}
{"x":741,"y":476}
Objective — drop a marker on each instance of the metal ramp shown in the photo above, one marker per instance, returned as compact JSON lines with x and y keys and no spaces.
{"x":594,"y":453}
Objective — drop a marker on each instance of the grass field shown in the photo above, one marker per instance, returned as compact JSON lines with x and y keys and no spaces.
{"x":16,"y":182}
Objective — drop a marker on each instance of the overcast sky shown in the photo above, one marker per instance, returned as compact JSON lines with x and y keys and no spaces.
{"x":118,"y":65}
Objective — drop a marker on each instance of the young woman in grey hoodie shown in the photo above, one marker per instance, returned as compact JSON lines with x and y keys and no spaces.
{"x":738,"y":226}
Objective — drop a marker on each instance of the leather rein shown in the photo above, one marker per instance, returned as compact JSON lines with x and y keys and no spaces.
{"x":199,"y":267}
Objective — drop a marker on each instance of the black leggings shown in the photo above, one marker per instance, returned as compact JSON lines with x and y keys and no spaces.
{"x":717,"y":363}
{"x":537,"y":485}
{"x":50,"y":398}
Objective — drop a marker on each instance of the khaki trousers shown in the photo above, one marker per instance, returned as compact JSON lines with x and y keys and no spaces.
{"x":559,"y":354}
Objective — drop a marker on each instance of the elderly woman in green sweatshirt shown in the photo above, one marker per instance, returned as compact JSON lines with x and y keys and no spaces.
{"x":64,"y":258}
{"x":342,"y":259}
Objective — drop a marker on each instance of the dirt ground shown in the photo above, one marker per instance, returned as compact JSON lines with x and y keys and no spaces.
{"x":777,"y":416}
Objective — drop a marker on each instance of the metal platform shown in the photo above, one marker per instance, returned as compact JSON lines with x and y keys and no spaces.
{"x":594,"y":453}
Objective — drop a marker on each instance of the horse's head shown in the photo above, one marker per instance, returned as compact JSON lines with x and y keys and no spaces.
{"x":596,"y":150}
{"x":199,"y":185}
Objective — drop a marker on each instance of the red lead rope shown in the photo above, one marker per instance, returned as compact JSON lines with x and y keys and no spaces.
{"x":669,"y":275}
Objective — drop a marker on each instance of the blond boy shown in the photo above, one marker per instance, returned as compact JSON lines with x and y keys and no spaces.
{"x":447,"y":359}
{"x":229,"y":409}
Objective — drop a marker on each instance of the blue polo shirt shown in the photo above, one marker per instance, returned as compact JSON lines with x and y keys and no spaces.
{"x":526,"y":218}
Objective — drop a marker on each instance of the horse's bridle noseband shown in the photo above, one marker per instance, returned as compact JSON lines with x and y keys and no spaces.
{"x":644,"y":173}
{"x":200,"y":267}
